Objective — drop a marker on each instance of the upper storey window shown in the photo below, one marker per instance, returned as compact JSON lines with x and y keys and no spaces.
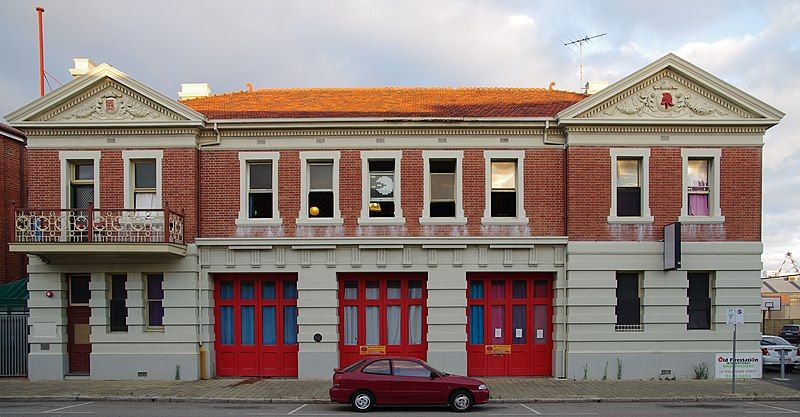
{"x":380,"y":195}
{"x":701,"y":186}
{"x":144,"y":188}
{"x":698,"y":188}
{"x":630,"y":196}
{"x":504,"y":188}
{"x":142,"y":179}
{"x":319,"y":179}
{"x":320,"y":189}
{"x":258,"y":189}
{"x":442,"y":188}
{"x":81,"y":184}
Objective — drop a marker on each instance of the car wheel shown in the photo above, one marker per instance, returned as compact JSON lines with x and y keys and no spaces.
{"x":362,"y":401}
{"x":461,"y":401}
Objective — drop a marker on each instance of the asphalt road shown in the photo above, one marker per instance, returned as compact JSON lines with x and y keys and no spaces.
{"x":793,"y":378}
{"x":109,"y":409}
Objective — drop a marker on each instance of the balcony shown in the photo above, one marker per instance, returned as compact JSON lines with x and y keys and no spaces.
{"x":107,"y":231}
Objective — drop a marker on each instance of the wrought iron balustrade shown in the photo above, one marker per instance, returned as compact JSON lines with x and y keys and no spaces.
{"x":99,"y":225}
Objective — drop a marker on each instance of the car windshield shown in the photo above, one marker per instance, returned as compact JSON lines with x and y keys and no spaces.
{"x":774,"y":340}
{"x":354,"y":366}
{"x":793,"y":328}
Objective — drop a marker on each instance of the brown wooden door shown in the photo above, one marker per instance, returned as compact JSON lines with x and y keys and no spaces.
{"x":78,"y":330}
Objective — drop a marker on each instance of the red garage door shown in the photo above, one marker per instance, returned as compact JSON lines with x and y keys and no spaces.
{"x":256,"y":324}
{"x":510,"y":324}
{"x":382,"y":314}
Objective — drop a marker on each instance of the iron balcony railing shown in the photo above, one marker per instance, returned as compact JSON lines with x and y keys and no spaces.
{"x":91,"y":225}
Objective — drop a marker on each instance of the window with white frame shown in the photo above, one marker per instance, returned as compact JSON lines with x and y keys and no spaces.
{"x":630,"y":195}
{"x":442,"y":188}
{"x":701,"y":190}
{"x":504,"y":188}
{"x":320,"y":189}
{"x":142,"y":179}
{"x":258,"y":186}
{"x":381,"y":188}
{"x":80,"y":176}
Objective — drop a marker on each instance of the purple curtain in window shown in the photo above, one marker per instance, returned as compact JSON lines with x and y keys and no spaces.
{"x":698,"y":205}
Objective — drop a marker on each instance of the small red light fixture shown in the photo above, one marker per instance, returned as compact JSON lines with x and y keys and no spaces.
{"x":49,"y":294}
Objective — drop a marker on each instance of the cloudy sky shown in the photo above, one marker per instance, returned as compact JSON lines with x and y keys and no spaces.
{"x":753,"y":45}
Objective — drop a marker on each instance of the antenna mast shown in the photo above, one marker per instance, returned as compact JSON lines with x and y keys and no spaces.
{"x":40,"y":11}
{"x":580,"y":43}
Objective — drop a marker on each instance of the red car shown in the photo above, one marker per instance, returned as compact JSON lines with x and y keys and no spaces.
{"x":390,"y":380}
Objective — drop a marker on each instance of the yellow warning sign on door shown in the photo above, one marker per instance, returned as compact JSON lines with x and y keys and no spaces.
{"x":372,"y":350}
{"x":497,"y":349}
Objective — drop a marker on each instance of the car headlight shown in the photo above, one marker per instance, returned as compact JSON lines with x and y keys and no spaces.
{"x":482,"y":387}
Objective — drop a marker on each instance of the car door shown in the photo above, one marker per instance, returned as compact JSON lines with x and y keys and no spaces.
{"x":412,"y":384}
{"x":377,"y":377}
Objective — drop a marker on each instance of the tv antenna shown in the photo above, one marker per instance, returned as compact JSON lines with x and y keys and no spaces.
{"x":580,"y":43}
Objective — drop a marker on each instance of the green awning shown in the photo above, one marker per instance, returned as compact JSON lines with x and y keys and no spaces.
{"x":14,"y":295}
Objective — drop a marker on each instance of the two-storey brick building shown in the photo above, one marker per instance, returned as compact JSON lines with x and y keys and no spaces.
{"x":490,"y":231}
{"x":12,"y":197}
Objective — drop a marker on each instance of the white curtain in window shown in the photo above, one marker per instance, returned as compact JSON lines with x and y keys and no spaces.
{"x":145,"y":201}
{"x":350,"y":325}
{"x":414,"y":325}
{"x":393,"y":325}
{"x":373,"y":325}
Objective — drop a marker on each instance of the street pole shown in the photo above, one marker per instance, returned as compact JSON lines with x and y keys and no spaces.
{"x":733,"y":374}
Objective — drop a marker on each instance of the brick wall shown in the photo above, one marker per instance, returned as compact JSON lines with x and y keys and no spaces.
{"x":12,"y":265}
{"x":179,"y":185}
{"x":590,"y":196}
{"x":219,"y":189}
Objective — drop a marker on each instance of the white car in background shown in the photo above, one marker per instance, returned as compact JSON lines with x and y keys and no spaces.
{"x":771,"y":356}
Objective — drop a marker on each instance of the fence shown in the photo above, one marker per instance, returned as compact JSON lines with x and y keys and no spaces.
{"x":14,"y":344}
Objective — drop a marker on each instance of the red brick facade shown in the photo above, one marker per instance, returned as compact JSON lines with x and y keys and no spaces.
{"x":589,"y":201}
{"x":588,"y":170}
{"x":12,"y":189}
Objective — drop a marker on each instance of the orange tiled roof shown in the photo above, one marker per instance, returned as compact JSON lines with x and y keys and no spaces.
{"x":276,"y":103}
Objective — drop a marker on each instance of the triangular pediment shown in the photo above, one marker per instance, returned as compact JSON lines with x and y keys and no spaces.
{"x":104,"y":96}
{"x":671,"y":90}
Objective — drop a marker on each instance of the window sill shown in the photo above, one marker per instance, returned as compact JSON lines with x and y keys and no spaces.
{"x":381,"y":221}
{"x":701,"y":219}
{"x":319,"y":222}
{"x":630,"y":220}
{"x":504,"y":221}
{"x":442,"y":221}
{"x":154,"y":329}
{"x":259,"y":222}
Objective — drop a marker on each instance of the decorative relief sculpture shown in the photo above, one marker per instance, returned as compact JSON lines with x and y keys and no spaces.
{"x":113,"y":105}
{"x":666,"y":100}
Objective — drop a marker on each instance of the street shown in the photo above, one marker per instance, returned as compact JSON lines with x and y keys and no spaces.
{"x":109,"y":409}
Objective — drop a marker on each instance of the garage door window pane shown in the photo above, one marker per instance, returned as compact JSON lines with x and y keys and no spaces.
{"x":226,"y":290}
{"x":476,"y":325}
{"x":540,"y":319}
{"x":373,"y":291}
{"x":519,"y":289}
{"x":290,"y":290}
{"x":393,"y":325}
{"x":268,"y":290}
{"x":393,"y":290}
{"x":414,"y":289}
{"x":476,"y":289}
{"x":414,"y":325}
{"x":350,"y":290}
{"x":247,"y":290}
{"x":268,"y":326}
{"x":248,"y":330}
{"x":350,"y":325}
{"x":226,"y":325}
{"x":518,"y":324}
{"x":540,"y":288}
{"x":498,"y":289}
{"x":373,"y":325}
{"x":290,"y":325}
{"x":498,"y":330}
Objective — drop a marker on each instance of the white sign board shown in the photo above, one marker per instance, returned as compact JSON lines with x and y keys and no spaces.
{"x":770,"y":303}
{"x":735,"y":315}
{"x":748,"y":365}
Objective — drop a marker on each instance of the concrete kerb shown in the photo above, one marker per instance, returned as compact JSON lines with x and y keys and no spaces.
{"x":717,"y":398}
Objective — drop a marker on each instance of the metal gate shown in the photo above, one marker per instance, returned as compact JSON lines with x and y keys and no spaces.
{"x":14,"y":344}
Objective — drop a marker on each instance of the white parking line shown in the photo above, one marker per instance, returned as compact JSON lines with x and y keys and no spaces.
{"x":785,"y":410}
{"x":536,"y":412}
{"x":70,"y":406}
{"x":296,"y":409}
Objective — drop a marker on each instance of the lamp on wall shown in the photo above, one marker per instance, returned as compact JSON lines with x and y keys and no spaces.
{"x":313,"y":210}
{"x":375,"y":207}
{"x":48,"y":294}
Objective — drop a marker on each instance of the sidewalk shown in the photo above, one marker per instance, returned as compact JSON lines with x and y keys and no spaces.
{"x":316,"y":391}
